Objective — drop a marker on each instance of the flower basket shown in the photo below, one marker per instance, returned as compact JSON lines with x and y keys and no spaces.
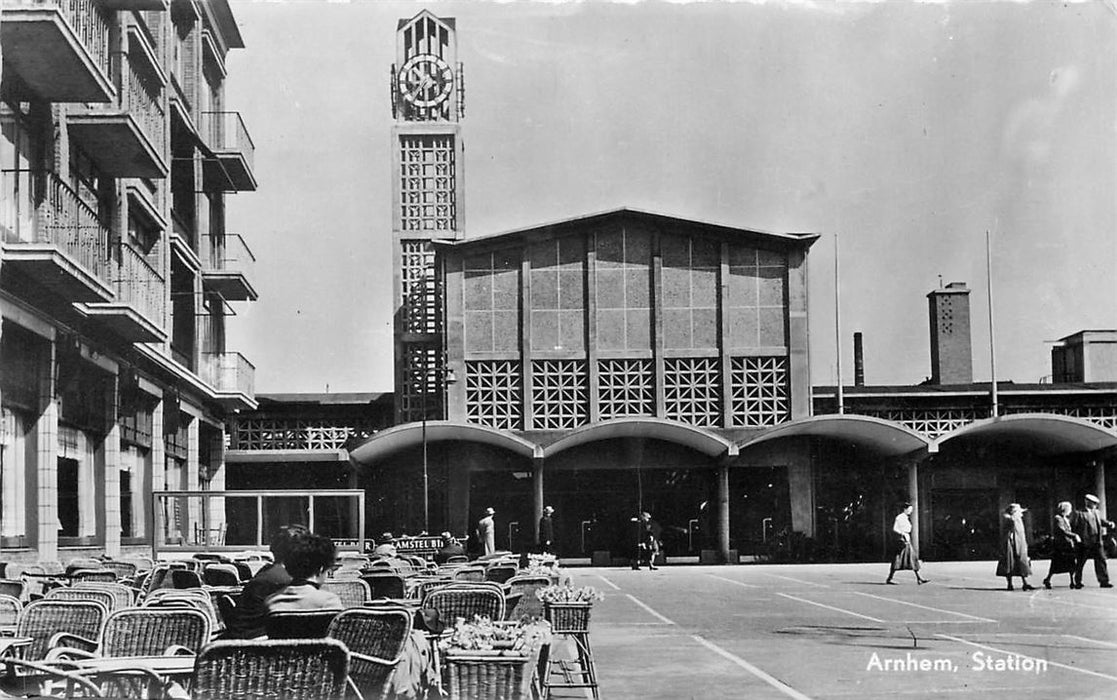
{"x":495,"y":675}
{"x":566,"y":618}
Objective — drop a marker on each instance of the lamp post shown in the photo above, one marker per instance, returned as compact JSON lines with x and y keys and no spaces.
{"x":443,"y":376}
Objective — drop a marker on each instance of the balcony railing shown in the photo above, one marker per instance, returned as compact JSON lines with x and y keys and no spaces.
{"x":61,"y":219}
{"x":229,"y":372}
{"x":230,"y":253}
{"x":225,"y":132}
{"x":138,"y":284}
{"x":89,"y":24}
{"x":142,"y":101}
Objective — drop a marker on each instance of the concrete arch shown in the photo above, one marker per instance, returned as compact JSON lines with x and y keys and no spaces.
{"x":1041,"y":433}
{"x":697,"y":439}
{"x":410,"y":435}
{"x":887,"y":438}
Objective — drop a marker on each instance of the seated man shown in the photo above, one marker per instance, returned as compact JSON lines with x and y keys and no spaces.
{"x":450,"y":548}
{"x":308,"y":560}
{"x":246,"y":620}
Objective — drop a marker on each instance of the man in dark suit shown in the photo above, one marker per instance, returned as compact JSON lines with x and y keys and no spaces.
{"x":547,"y":531}
{"x":1088,"y":524}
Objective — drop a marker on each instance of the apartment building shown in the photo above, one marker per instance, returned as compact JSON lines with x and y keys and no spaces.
{"x":117,"y":274}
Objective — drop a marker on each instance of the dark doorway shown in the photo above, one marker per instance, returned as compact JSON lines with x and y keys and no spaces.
{"x":965,"y":524}
{"x":760,"y":511}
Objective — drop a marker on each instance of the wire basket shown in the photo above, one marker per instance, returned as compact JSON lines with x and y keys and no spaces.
{"x":566,"y":618}
{"x":472,"y":676}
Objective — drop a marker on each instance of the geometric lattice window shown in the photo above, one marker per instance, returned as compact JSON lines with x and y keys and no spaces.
{"x":420,"y":391}
{"x":427,"y":182}
{"x":303,"y":433}
{"x":558,"y":394}
{"x":493,"y":394}
{"x":931,"y":422}
{"x":625,"y":388}
{"x":692,"y":390}
{"x":419,"y":288}
{"x":758,"y":387}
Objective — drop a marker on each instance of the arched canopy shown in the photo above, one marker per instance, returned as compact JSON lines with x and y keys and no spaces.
{"x":1040,"y":433}
{"x":410,"y":436}
{"x":885,"y":437}
{"x":697,"y":439}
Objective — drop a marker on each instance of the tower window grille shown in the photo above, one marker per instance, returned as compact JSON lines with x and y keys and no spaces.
{"x":419,"y":289}
{"x":692,"y":390}
{"x":558,"y":394}
{"x":494,"y":394}
{"x":427,"y":180}
{"x":759,"y":391}
{"x":422,"y":389}
{"x":625,"y":388}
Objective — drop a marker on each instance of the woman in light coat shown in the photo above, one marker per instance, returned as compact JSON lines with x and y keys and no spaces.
{"x":1014,"y":552}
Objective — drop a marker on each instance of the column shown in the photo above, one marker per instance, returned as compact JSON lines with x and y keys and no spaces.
{"x":156,"y":479}
{"x":46,"y":466}
{"x":800,"y":484}
{"x":1099,"y":484}
{"x":723,"y":513}
{"x":913,"y":498}
{"x":192,"y":529}
{"x":111,"y":448}
{"x":537,"y":483}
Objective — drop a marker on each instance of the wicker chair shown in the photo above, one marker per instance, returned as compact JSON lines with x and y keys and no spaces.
{"x":221,"y":575}
{"x":289,"y":669}
{"x":13,"y":588}
{"x":470,"y":573}
{"x":526,"y":585}
{"x":100,"y":575}
{"x":451,"y":602}
{"x":385,"y":585}
{"x":43,"y":619}
{"x":106,"y":598}
{"x":125,"y":595}
{"x":299,"y":624}
{"x":500,"y":573}
{"x":196,"y":598}
{"x":420,"y":590}
{"x":122,"y":569}
{"x":457,"y":559}
{"x":353,"y":591}
{"x":10,"y":608}
{"x":82,"y":563}
{"x":375,"y":638}
{"x":142,"y":632}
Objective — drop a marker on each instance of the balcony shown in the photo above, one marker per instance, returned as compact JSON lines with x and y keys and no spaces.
{"x":231,"y":167}
{"x":58,"y":241}
{"x":126,"y":138}
{"x":156,"y":5}
{"x":59,"y":48}
{"x":228,"y":268}
{"x":138,"y":313}
{"x":232,"y":376}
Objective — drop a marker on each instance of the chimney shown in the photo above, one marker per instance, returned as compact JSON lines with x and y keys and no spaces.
{"x":951,"y":354}
{"x":858,"y":360}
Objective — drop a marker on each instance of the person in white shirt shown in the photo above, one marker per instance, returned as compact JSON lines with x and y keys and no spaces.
{"x":904,"y":556}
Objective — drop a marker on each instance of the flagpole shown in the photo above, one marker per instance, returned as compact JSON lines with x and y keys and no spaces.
{"x":992,"y":343}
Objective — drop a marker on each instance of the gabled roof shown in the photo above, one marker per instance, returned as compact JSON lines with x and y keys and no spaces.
{"x":579,"y":223}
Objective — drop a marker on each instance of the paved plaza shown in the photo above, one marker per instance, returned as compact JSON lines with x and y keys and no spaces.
{"x":836,"y":631}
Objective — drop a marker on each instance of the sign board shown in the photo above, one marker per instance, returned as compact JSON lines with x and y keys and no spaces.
{"x":418,"y":544}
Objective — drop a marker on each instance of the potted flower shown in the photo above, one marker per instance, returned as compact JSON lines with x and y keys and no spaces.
{"x":568,"y":608}
{"x":487,"y":659}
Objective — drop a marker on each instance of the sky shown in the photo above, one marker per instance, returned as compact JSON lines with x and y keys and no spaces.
{"x":903,"y":131}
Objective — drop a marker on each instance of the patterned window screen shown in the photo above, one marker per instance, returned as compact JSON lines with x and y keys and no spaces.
{"x":421,"y":395}
{"x":427,"y":180}
{"x":692,"y":390}
{"x":759,"y":391}
{"x":494,"y":394}
{"x":757,"y":298}
{"x":623,"y":276}
{"x":558,"y":394}
{"x":690,"y":292}
{"x":625,"y":388}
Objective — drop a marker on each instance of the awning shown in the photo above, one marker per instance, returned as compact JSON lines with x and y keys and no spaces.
{"x":697,"y":439}
{"x":884,"y":437}
{"x":410,"y":435}
{"x":1040,"y":433}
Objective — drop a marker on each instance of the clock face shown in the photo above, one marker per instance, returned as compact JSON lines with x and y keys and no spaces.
{"x":425,"y":80}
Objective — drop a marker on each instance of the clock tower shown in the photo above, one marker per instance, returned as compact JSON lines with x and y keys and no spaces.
{"x":428,"y":105}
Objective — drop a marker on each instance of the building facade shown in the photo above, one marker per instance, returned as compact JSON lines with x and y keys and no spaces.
{"x":117,"y":273}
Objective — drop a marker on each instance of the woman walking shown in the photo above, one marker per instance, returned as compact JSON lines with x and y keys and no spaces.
{"x":1014,"y":554}
{"x":1064,"y":545}
{"x":904,"y":556}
